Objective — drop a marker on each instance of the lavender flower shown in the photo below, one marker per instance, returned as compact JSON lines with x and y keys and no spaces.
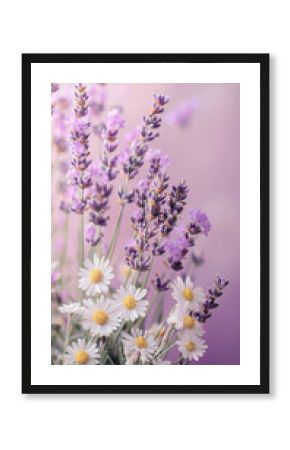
{"x":133,"y":157}
{"x":161,"y":284}
{"x":182,"y":114}
{"x":79,"y":174}
{"x":136,"y":256}
{"x":210,"y":303}
{"x":97,"y":94}
{"x":91,"y":234}
{"x":174,"y":208}
{"x":105,"y":173}
{"x":150,"y":197}
{"x":176,"y":250}
{"x":199,"y":222}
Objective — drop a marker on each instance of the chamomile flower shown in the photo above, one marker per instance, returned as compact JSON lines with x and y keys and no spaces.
{"x":131,"y":302}
{"x":185,"y":291}
{"x":190,"y":345}
{"x":138,"y":346}
{"x":82,"y":354}
{"x":68,"y":309}
{"x":181,"y":318}
{"x":100,"y":317}
{"x":96,"y":277}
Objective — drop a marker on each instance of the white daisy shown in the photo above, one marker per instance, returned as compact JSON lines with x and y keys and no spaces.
{"x":68,"y":309}
{"x":81,"y":353}
{"x":181,"y":318}
{"x":131,"y":302}
{"x":138,"y":345}
{"x":96,"y":276}
{"x":190,"y":345}
{"x":184,"y":291}
{"x":101,"y":317}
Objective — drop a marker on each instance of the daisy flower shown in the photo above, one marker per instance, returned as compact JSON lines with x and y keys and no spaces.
{"x":81,"y":353}
{"x":181,"y":318}
{"x":96,"y":277}
{"x":191,"y":346}
{"x":68,"y":309}
{"x":131,"y":302}
{"x":138,"y":345}
{"x":185,"y":291}
{"x":100,"y":317}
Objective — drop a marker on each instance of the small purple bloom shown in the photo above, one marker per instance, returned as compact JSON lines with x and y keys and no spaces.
{"x":183,"y":113}
{"x":215,"y":292}
{"x":199,"y":221}
{"x":91,"y":234}
{"x":160,"y":283}
{"x":115,"y":121}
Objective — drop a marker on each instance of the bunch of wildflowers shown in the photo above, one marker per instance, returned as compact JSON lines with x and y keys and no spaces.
{"x":122,"y":323}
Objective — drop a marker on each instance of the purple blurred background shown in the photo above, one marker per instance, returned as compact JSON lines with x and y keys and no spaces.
{"x":201,"y":135}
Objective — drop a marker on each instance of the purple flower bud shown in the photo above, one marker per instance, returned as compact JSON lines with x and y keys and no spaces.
{"x":161,"y":284}
{"x":199,"y":222}
{"x":91,"y":234}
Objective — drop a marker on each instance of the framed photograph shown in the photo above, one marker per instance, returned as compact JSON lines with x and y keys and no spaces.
{"x":145,"y":221}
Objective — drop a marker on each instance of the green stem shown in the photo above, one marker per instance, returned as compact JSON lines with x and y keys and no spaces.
{"x":67,"y":336}
{"x":113,"y":243}
{"x":63,"y":254}
{"x":153,"y":303}
{"x":127,"y":277}
{"x":166,"y":350}
{"x":82,"y":240}
{"x":148,"y":274}
{"x":138,"y":276}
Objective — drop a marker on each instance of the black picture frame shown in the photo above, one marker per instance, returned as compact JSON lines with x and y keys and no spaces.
{"x":263,"y":60}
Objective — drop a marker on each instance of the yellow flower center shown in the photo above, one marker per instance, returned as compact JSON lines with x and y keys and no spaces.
{"x":100,"y":317}
{"x":141,"y":342}
{"x":81,"y":357}
{"x":187,"y":294}
{"x":190,"y":346}
{"x":95,"y":276}
{"x":189,"y":322}
{"x":129,"y":302}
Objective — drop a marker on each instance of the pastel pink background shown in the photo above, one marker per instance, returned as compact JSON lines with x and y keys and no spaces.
{"x":206,"y":153}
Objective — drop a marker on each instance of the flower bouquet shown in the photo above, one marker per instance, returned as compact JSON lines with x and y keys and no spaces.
{"x":125,"y":321}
